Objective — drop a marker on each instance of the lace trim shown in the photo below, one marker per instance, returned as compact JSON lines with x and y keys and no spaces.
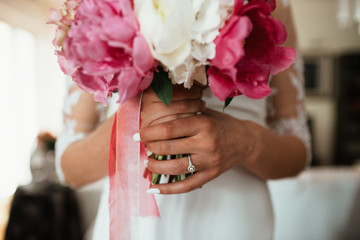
{"x":71,"y":100}
{"x":294,"y":126}
{"x":101,"y":110}
{"x":68,"y":134}
{"x":66,"y":137}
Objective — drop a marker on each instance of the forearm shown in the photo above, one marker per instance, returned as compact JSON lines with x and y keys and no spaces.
{"x":86,"y":161}
{"x":275,"y":156}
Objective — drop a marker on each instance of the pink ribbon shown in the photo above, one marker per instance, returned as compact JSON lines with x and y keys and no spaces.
{"x":129,"y":179}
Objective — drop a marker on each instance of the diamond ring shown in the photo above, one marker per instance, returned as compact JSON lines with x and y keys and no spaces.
{"x":191,"y":167}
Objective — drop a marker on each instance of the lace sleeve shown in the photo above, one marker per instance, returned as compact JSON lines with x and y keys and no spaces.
{"x":81,"y":116}
{"x":286,"y":104}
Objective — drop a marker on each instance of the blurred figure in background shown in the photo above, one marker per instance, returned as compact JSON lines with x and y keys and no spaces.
{"x":43,"y":209}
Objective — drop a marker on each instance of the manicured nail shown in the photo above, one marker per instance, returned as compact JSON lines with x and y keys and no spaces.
{"x":148,"y":152}
{"x":136,"y":137}
{"x":153,"y":191}
{"x":146,"y":163}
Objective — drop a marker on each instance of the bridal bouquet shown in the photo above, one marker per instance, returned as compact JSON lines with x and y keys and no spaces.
{"x":120,"y":45}
{"x":128,"y":45}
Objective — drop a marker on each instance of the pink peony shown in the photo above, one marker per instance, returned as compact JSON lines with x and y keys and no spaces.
{"x":247,"y":52}
{"x":107,"y":51}
{"x":63,"y":19}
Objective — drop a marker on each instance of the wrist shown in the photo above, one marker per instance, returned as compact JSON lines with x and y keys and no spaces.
{"x":255,"y":143}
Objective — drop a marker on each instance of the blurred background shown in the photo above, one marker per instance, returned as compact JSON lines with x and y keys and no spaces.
{"x":33,"y":87}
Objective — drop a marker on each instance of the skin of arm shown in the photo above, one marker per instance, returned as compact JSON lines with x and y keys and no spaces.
{"x":86,"y":160}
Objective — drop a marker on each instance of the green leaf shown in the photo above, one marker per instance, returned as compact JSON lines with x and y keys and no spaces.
{"x":227,"y":102}
{"x":162,"y":86}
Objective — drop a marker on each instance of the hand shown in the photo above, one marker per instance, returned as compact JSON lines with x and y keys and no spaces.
{"x":216,"y":142}
{"x":184,"y":102}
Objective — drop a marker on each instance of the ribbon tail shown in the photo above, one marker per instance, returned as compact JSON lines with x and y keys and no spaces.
{"x":128,"y":200}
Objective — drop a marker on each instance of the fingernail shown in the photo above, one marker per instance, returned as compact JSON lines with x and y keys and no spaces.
{"x":136,"y":137}
{"x":153,"y":191}
{"x":148,"y":152}
{"x":146,"y":163}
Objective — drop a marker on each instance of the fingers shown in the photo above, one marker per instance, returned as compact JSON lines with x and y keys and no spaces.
{"x":159,"y":112}
{"x":182,"y":127}
{"x":174,"y":166}
{"x":191,"y":183}
{"x":171,"y":147}
{"x":183,"y":102}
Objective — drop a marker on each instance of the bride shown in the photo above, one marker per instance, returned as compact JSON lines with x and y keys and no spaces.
{"x":233,"y":153}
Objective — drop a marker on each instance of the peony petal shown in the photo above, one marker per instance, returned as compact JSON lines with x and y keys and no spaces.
{"x":174,"y":59}
{"x":166,"y":26}
{"x":252,"y":78}
{"x":229,"y":49}
{"x":207,"y":19}
{"x":238,"y":5}
{"x":284,"y":57}
{"x":146,"y":81}
{"x":94,"y":85}
{"x":65,"y":64}
{"x":116,"y":29}
{"x":221,"y":85}
{"x":101,"y":68}
{"x":55,"y":16}
{"x":101,"y":96}
{"x":89,"y":83}
{"x":143,"y":60}
{"x":128,"y":82}
{"x":250,"y":90}
{"x":95,"y":48}
{"x":279,"y":31}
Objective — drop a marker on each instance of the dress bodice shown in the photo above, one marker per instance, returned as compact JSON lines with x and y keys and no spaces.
{"x":240,"y":107}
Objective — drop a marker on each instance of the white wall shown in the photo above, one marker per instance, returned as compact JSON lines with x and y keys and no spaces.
{"x":50,"y":84}
{"x":318,"y":28}
{"x":34,"y":87}
{"x":322,"y":110}
{"x":319,"y":35}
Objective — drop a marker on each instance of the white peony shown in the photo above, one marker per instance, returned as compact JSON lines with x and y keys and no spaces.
{"x":180,"y":34}
{"x":166,"y":25}
{"x":188,"y":72}
{"x":204,"y":30}
{"x":211,"y":16}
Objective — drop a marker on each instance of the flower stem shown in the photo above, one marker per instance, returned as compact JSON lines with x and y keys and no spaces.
{"x":155,"y":178}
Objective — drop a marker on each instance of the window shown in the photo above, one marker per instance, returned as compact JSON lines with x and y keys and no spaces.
{"x":18,"y":105}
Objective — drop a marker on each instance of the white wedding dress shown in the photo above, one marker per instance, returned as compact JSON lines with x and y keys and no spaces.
{"x":234,"y":206}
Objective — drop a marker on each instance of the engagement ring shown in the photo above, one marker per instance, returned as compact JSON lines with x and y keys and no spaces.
{"x":191,"y":167}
